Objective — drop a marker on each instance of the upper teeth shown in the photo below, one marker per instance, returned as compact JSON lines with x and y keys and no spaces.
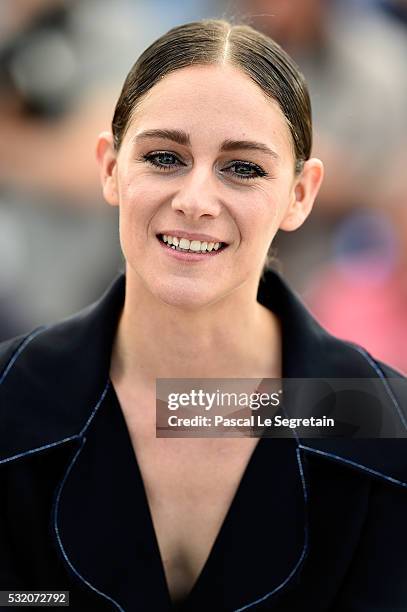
{"x":191,"y":245}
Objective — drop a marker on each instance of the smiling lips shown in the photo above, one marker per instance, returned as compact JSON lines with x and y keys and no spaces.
{"x":183,"y":244}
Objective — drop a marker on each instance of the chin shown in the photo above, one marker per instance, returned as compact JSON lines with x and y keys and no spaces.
{"x":186,"y":295}
{"x":187,"y":292}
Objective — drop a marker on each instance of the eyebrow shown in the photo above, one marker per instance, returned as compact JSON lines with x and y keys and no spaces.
{"x":182,"y":138}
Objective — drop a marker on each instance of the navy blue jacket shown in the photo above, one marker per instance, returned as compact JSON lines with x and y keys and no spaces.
{"x":340,"y":544}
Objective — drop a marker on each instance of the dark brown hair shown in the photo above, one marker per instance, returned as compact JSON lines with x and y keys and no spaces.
{"x":215,"y":41}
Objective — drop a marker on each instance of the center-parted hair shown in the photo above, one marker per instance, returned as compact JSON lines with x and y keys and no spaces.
{"x":217,"y":42}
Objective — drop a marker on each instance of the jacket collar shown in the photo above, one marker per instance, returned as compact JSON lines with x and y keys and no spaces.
{"x":65,"y":369}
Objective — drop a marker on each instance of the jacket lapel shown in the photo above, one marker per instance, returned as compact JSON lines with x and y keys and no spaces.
{"x":106,"y":535}
{"x":309,"y":352}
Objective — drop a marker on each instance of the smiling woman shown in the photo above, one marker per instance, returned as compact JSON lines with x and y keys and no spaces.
{"x":204,"y":176}
{"x":208,"y":157}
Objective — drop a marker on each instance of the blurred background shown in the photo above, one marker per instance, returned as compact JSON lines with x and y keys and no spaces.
{"x":62,"y":64}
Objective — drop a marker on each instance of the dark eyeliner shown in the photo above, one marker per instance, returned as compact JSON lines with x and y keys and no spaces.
{"x":259,"y":172}
{"x":151,"y":158}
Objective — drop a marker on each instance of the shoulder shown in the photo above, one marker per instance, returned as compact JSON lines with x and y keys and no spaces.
{"x":69,"y":350}
{"x":52,"y":379}
{"x":9,"y":350}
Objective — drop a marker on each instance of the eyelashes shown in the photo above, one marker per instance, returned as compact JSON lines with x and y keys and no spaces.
{"x":163,"y":160}
{"x":242,"y":170}
{"x":249,"y":170}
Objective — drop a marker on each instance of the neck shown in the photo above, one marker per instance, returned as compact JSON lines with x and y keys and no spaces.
{"x":234,"y":338}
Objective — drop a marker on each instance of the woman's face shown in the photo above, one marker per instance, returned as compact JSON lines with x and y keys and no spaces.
{"x":207,"y":158}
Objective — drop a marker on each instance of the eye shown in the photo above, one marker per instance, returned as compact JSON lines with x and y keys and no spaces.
{"x":245,"y":170}
{"x":164,"y":160}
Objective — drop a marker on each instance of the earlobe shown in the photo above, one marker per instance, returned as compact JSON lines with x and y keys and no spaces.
{"x":107,"y":159}
{"x":304,"y":192}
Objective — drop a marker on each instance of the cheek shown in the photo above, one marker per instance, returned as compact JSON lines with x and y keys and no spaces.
{"x":133,"y":191}
{"x":137,"y":187}
{"x":139,"y":200}
{"x":258,"y":217}
{"x":133,"y":217}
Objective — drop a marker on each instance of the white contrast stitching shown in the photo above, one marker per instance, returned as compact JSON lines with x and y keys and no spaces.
{"x":358,"y":465}
{"x":36,"y":450}
{"x":56,"y":528}
{"x":305,"y":546}
{"x":7,"y":369}
{"x":100,"y":400}
{"x":74,"y":437}
{"x":383,"y":378}
{"x":19,"y":350}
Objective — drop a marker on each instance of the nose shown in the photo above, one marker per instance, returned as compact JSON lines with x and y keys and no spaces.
{"x":197,"y":196}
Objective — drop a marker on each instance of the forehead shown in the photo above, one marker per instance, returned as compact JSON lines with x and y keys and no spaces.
{"x":215,"y":102}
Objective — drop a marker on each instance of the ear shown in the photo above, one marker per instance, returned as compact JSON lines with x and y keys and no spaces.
{"x":106,"y":156}
{"x":304,"y":192}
